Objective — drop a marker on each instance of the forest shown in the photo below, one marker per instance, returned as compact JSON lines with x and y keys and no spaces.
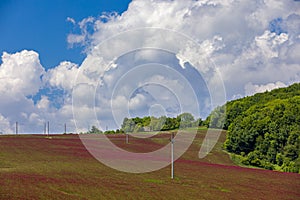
{"x":263,"y":130}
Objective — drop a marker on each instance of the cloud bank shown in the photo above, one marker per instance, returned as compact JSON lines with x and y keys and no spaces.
{"x":250,"y":46}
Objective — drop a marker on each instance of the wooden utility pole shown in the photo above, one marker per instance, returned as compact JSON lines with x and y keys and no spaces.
{"x":16,"y":128}
{"x":172,"y":156}
{"x":48,"y":128}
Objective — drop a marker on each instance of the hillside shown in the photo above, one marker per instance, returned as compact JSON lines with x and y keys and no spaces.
{"x":60,"y":167}
{"x":264,"y":129}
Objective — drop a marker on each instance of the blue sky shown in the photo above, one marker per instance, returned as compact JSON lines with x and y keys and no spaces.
{"x":159,"y":56}
{"x":42,"y":26}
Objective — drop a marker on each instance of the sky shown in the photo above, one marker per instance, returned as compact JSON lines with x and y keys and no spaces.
{"x":42,"y":26}
{"x":87,"y":63}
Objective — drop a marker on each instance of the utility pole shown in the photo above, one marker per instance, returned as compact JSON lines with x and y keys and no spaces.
{"x":126,"y":138}
{"x":16,"y":128}
{"x":172,"y":156}
{"x":48,"y":129}
{"x":45,"y":128}
{"x":65,"y":128}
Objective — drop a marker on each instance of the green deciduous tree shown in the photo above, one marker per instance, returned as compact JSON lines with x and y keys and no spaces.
{"x":264,"y":128}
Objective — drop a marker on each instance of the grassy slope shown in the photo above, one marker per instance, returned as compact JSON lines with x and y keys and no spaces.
{"x":34,"y":167}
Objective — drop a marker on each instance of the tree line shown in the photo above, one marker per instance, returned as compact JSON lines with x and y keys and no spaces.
{"x":263,"y":130}
{"x":163,"y":123}
{"x":151,"y":123}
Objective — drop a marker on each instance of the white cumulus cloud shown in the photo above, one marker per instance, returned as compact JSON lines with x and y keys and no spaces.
{"x":228,"y":42}
{"x":62,"y":76}
{"x":20,"y":74}
{"x":253,"y":89}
